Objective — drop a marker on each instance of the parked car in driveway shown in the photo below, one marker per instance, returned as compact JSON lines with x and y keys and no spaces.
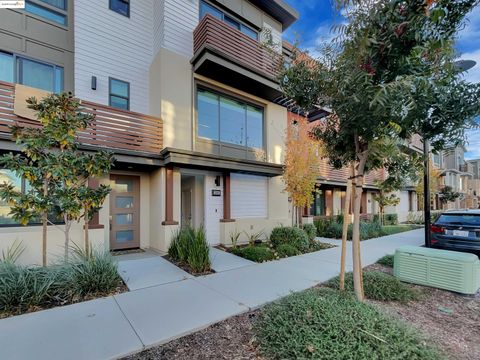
{"x":457,"y":230}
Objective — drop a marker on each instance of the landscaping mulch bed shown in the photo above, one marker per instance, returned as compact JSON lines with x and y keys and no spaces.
{"x":451,"y":320}
{"x":126,"y":252}
{"x":187,"y":268}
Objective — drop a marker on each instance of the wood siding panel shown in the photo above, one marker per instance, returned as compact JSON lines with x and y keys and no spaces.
{"x":108,"y":44}
{"x":111,"y":129}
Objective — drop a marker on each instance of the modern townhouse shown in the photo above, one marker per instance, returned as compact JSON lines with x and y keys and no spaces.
{"x":184,"y":94}
{"x":459,"y":175}
{"x":330,"y":189}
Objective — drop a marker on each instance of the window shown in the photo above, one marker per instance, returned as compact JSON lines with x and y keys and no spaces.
{"x":20,"y":185}
{"x":120,"y":6}
{"x":9,"y":177}
{"x":229,"y":120}
{"x":32,"y":73}
{"x":46,"y":13}
{"x":119,"y":94}
{"x":436,"y":159}
{"x":61,"y":4}
{"x":206,"y":8}
{"x":6,"y":67}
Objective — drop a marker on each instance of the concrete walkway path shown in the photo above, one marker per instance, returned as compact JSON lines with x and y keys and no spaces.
{"x":224,"y":261}
{"x":123,"y":324}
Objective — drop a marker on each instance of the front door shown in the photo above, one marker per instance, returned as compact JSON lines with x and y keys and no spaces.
{"x":124,"y":212}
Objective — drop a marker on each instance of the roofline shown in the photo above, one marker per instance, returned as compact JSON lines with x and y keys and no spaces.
{"x":279,"y":10}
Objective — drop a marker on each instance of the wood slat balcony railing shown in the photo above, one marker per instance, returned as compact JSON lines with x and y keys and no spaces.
{"x":234,"y":45}
{"x":111,"y":129}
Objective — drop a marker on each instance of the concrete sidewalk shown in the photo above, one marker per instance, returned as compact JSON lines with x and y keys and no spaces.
{"x":123,"y":324}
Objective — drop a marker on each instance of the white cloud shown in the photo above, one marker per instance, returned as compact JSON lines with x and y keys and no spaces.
{"x":472,"y":75}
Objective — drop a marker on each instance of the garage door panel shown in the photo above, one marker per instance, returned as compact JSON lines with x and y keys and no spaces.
{"x":249,"y":196}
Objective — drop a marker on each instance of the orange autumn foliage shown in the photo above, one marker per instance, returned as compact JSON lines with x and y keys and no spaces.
{"x":302,"y":160}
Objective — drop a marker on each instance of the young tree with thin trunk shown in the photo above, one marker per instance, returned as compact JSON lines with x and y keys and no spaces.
{"x":56,"y":171}
{"x":390,"y":73}
{"x":301,"y":164}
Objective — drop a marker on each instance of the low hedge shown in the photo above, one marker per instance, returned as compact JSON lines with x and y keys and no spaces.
{"x":286,"y":250}
{"x":311,"y":231}
{"x":290,"y":235}
{"x":387,"y":260}
{"x":257,"y":253}
{"x":323,"y":323}
{"x":379,"y":286}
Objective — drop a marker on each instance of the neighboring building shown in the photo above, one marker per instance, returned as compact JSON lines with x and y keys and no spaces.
{"x":474,"y":168}
{"x":184,"y":95}
{"x":329,"y":196}
{"x":459,"y":175}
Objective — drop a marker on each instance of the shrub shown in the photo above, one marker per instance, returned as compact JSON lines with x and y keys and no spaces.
{"x":93,"y":273}
{"x":325,"y":324}
{"x":255,"y":253}
{"x":387,"y":260}
{"x":22,"y":288}
{"x":379,"y":286}
{"x":234,"y":236}
{"x":391,"y":219}
{"x":189,"y":246}
{"x":311,"y":231}
{"x":286,"y":250}
{"x":334,"y":230}
{"x":290,"y":235}
{"x":26,"y":287}
{"x":322,"y":225}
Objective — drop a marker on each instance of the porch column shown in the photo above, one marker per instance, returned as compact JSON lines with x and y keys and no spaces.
{"x":227,"y":215}
{"x":94,"y":222}
{"x":169,"y":197}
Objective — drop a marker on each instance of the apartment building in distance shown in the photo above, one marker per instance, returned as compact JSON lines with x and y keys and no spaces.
{"x":184,"y":95}
{"x":459,"y":174}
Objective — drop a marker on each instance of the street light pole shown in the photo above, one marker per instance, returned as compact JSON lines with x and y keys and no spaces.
{"x":426,"y":191}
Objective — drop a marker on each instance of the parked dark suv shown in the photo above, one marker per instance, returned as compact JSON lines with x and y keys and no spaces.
{"x":457,"y":230}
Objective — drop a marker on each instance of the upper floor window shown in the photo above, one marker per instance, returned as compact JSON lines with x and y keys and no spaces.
{"x":59,"y":17}
{"x":436,"y":159}
{"x":119,"y":96}
{"x":121,"y":6}
{"x":206,"y":8}
{"x":30,"y":72}
{"x":229,"y":120}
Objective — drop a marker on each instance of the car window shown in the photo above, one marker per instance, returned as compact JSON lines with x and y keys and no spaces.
{"x":464,"y":219}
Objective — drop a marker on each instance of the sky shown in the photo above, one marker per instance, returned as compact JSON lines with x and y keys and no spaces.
{"x":318,"y":16}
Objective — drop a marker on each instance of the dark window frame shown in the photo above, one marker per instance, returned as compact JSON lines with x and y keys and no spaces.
{"x":110,"y":94}
{"x":110,"y":6}
{"x":17,"y":70}
{"x":23,"y":187}
{"x":231,"y":16}
{"x":50,"y":8}
{"x":245,"y":103}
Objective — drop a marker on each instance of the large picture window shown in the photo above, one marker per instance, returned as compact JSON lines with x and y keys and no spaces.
{"x":228,"y":120}
{"x":30,"y":72}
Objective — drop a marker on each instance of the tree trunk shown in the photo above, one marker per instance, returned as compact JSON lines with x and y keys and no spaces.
{"x":44,"y":226}
{"x":357,"y":265}
{"x":86,"y":235}
{"x":67,"y":237}
{"x":346,"y":220}
{"x":44,"y":238}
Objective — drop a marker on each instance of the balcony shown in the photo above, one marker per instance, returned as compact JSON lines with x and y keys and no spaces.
{"x":113,"y":129}
{"x":225,"y":54}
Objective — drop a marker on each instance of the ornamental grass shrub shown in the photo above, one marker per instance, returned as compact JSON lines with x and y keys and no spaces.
{"x":379,"y":286}
{"x":190,"y":247}
{"x":323,"y":323}
{"x":23,"y":288}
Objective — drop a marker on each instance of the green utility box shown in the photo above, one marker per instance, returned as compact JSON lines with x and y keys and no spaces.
{"x":443,"y":269}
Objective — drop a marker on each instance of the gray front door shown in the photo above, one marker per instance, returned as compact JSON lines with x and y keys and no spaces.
{"x":124,"y":212}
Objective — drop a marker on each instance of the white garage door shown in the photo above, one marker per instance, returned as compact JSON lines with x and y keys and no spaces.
{"x":249,"y":196}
